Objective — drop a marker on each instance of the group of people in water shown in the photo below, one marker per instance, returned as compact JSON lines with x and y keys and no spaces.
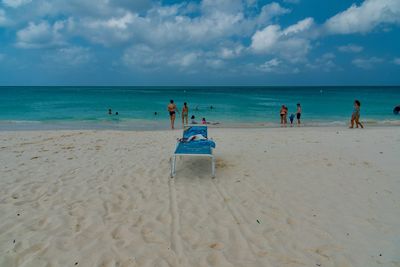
{"x":172,"y":109}
{"x":284,"y":113}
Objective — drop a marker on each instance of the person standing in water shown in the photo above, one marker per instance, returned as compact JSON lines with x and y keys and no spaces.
{"x":172,"y":109}
{"x":185,"y":114}
{"x":282,"y":113}
{"x":291,"y":118}
{"x":298,"y":114}
{"x":355,"y":117}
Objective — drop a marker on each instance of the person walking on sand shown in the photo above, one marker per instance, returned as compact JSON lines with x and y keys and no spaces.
{"x":172,"y":109}
{"x":185,"y":114}
{"x":298,"y":114}
{"x":355,"y":117}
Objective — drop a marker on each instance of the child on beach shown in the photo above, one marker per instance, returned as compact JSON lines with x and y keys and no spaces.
{"x":203,"y":121}
{"x":355,"y":117}
{"x":291,"y":118}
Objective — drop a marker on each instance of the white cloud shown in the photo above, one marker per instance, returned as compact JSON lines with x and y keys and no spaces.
{"x":3,"y":19}
{"x":270,"y":65}
{"x":148,"y":58}
{"x":365,"y":17}
{"x":207,"y":33}
{"x":396,"y":61}
{"x":143,"y":57}
{"x":107,"y":31}
{"x":301,"y":26}
{"x":72,"y":56}
{"x":367,"y":63}
{"x":231,"y":52}
{"x":41,"y":35}
{"x":221,"y":6}
{"x":326,"y":63}
{"x":16,"y":3}
{"x":163,"y":26}
{"x":270,"y":11}
{"x":290,"y":43}
{"x":350,"y":48}
{"x":185,"y":60}
{"x":291,"y":1}
{"x":265,"y":40}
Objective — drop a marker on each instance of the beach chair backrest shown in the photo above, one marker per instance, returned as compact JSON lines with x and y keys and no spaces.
{"x":193,"y":130}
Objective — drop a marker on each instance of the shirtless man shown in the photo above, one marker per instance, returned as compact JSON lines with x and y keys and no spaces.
{"x":298,"y":113}
{"x":172,"y":109}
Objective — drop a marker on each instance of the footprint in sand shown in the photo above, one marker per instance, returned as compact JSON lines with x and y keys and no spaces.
{"x":366,"y":163}
{"x":222,"y":164}
{"x":217,"y":246}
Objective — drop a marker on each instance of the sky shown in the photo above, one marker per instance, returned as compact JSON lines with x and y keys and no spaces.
{"x":206,"y":42}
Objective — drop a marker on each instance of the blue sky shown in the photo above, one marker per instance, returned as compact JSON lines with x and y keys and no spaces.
{"x":208,"y":42}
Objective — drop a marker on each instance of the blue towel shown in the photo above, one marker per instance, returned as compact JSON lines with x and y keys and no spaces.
{"x":193,"y":130}
{"x":203,"y":147}
{"x":193,"y":148}
{"x":204,"y":142}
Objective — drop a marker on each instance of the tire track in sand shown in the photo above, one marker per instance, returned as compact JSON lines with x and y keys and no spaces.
{"x":176,"y":242}
{"x":242,"y":229}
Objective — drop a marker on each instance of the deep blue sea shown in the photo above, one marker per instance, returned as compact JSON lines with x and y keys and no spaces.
{"x":87,"y":107}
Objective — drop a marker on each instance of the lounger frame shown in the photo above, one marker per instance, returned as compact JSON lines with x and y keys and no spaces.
{"x":173,"y":161}
{"x":173,"y":158}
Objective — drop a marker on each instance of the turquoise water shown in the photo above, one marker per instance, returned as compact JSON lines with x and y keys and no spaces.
{"x":86,"y":107}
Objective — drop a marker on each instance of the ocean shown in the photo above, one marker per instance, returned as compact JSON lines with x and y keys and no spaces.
{"x":29,"y":108}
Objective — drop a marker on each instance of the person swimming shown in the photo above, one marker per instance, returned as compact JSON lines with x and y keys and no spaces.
{"x":109,"y":111}
{"x":172,"y":109}
{"x":185,"y":113}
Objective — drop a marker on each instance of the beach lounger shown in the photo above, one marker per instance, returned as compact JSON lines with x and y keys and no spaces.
{"x":194,"y":148}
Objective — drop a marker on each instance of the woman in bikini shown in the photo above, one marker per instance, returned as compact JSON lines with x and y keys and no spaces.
{"x":172,"y":109}
{"x":283,"y":114}
{"x":185,"y":114}
{"x":355,"y":117}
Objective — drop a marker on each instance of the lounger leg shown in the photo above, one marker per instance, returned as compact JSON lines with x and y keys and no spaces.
{"x":213,"y":166}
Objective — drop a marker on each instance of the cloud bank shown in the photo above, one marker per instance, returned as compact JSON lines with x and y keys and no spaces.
{"x":206,"y":35}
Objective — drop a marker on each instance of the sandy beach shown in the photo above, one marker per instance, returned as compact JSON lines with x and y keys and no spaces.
{"x":281,"y":197}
